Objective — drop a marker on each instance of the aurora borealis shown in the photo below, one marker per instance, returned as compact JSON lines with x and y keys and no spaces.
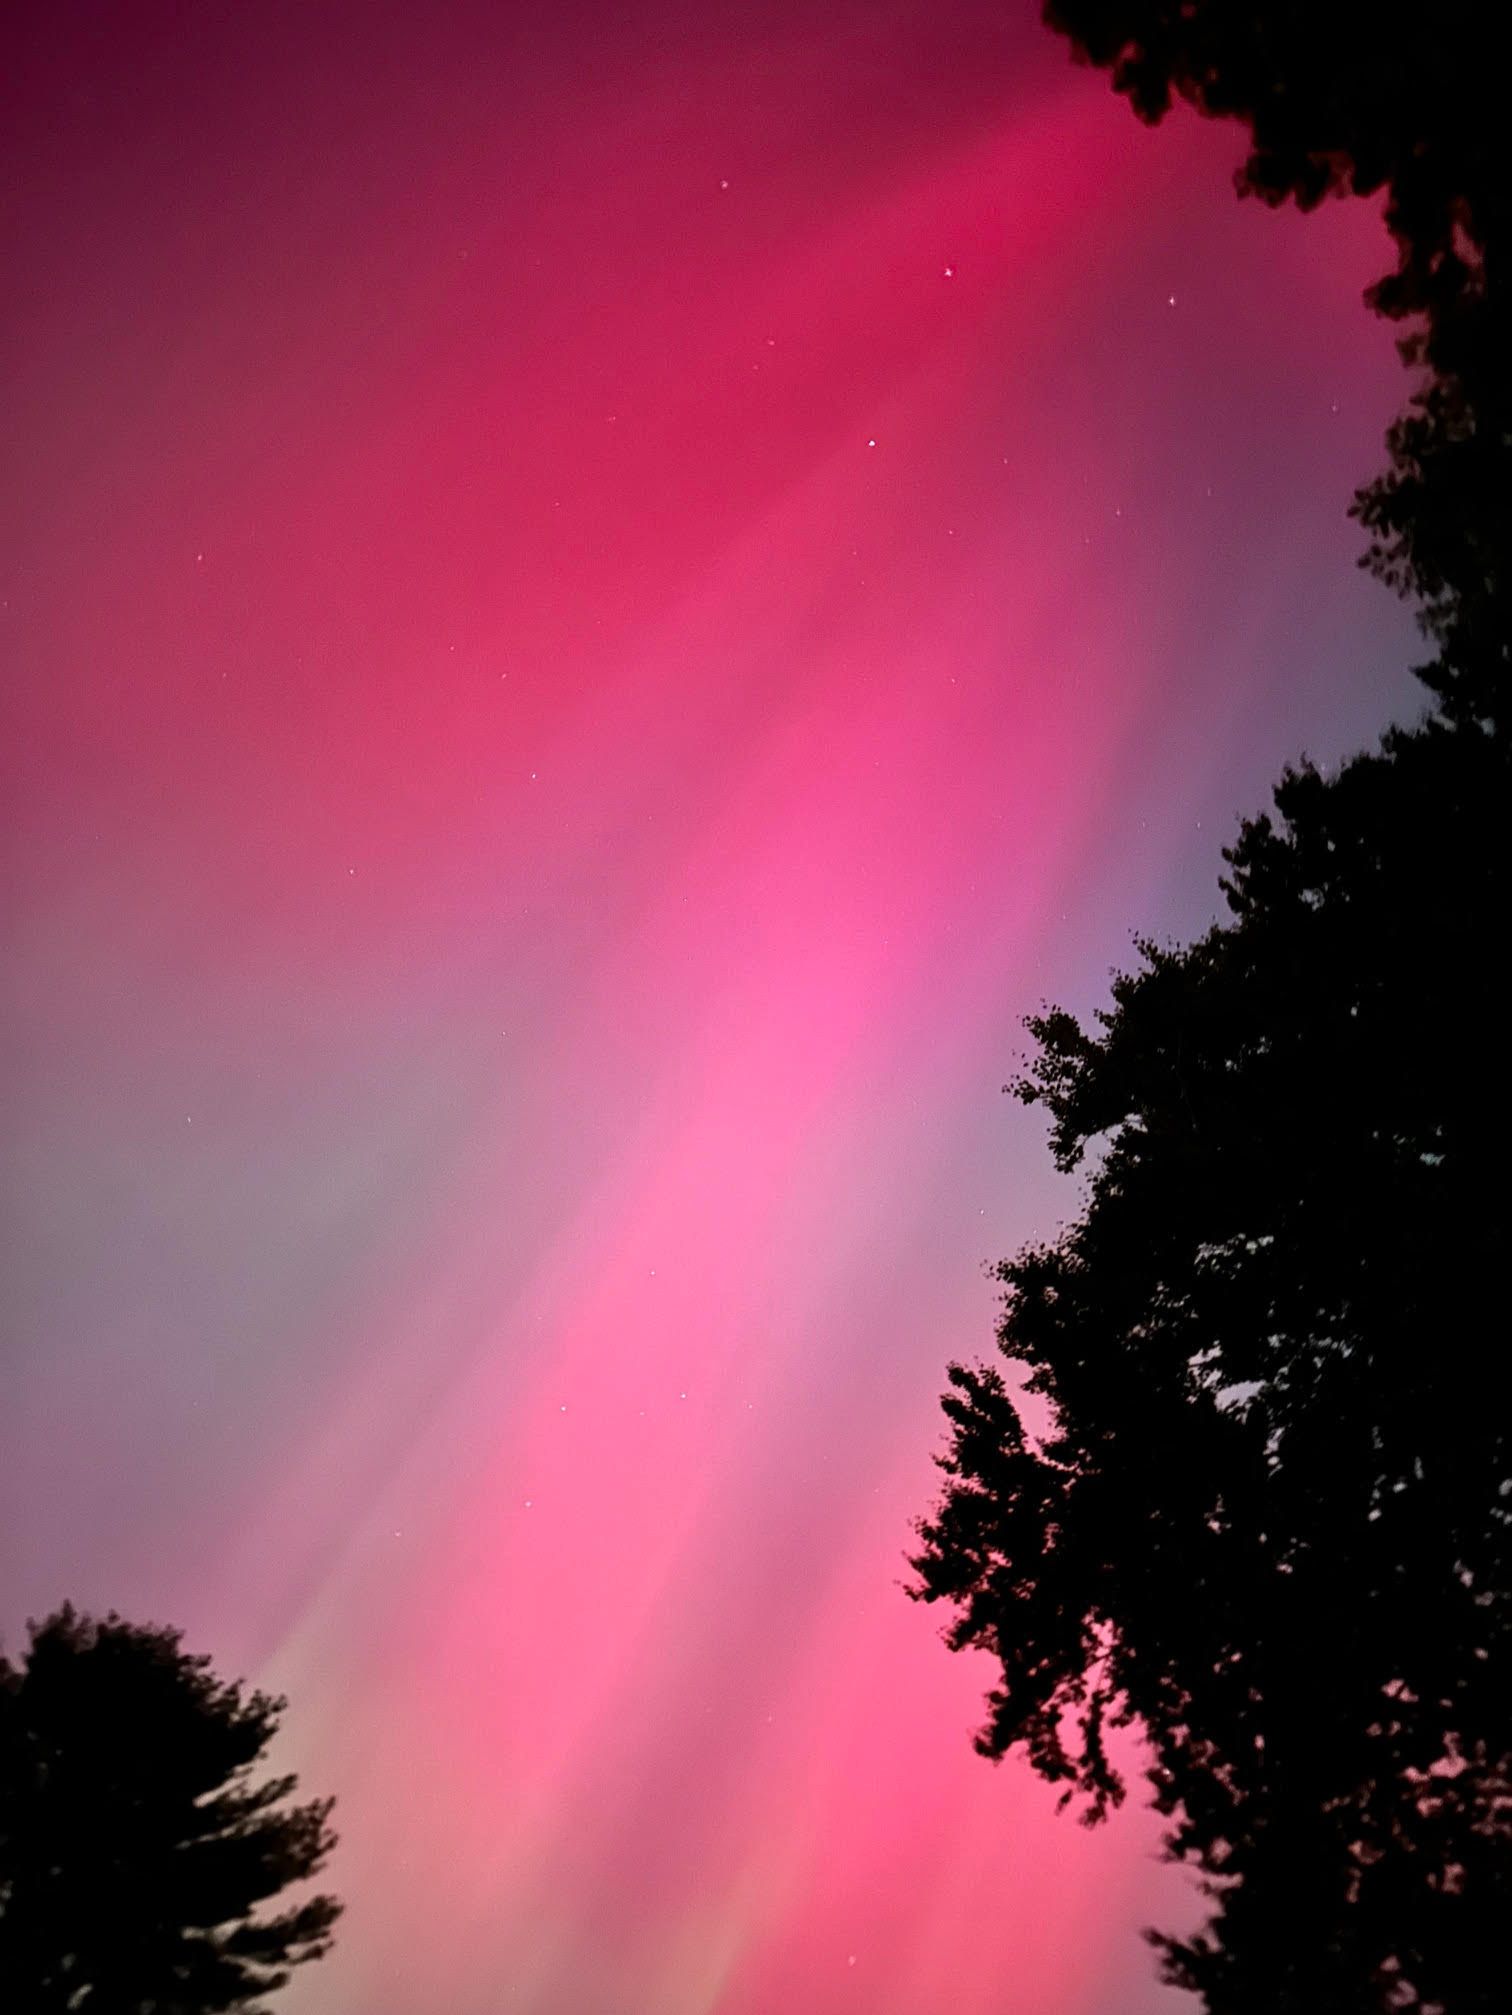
{"x":596,"y":603}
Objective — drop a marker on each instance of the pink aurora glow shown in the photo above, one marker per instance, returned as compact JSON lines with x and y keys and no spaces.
{"x":601,"y":609}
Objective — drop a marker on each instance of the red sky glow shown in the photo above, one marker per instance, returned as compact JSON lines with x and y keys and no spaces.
{"x":597,"y":601}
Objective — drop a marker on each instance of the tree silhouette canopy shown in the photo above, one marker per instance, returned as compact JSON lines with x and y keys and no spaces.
{"x":1247,"y":1485}
{"x":137,"y":1847}
{"x":1402,"y":98}
{"x":1264,"y":1508}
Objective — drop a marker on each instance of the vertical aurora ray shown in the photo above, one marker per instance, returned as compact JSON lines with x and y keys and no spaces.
{"x":598,"y":611}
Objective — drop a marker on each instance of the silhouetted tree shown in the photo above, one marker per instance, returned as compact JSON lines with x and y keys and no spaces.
{"x":136,"y":1846}
{"x":1405,"y":98}
{"x":1249,"y":1484}
{"x":1259,"y":1497}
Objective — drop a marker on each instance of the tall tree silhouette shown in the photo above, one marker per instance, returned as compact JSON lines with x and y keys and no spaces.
{"x":1402,"y":98}
{"x":1260,"y":1500}
{"x":137,"y":1847}
{"x":1249,"y":1483}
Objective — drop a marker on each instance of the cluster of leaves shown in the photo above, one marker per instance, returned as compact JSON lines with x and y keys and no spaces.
{"x":1269,"y":1514}
{"x":1248,"y":1485}
{"x":136,"y":1850}
{"x":1402,"y":99}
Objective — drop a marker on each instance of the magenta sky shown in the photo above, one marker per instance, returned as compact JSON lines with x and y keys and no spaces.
{"x":592,"y":612}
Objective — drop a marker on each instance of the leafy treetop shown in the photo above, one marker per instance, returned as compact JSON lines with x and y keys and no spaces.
{"x":138,"y":1847}
{"x":1401,"y":98}
{"x":1261,"y":1501}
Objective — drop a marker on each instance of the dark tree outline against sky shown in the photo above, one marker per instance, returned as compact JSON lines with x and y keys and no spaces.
{"x":1404,"y":100}
{"x":137,"y":1844}
{"x":1267,"y":1521}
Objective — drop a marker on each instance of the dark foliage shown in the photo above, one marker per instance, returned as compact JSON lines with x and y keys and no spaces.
{"x":136,"y":1846}
{"x":1402,"y":98}
{"x":1270,"y":1517}
{"x":1258,"y":1500}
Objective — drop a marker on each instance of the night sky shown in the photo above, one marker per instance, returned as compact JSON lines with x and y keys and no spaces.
{"x":597,"y":601}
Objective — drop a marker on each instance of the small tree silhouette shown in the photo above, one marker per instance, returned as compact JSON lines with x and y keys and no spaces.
{"x":136,"y":1847}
